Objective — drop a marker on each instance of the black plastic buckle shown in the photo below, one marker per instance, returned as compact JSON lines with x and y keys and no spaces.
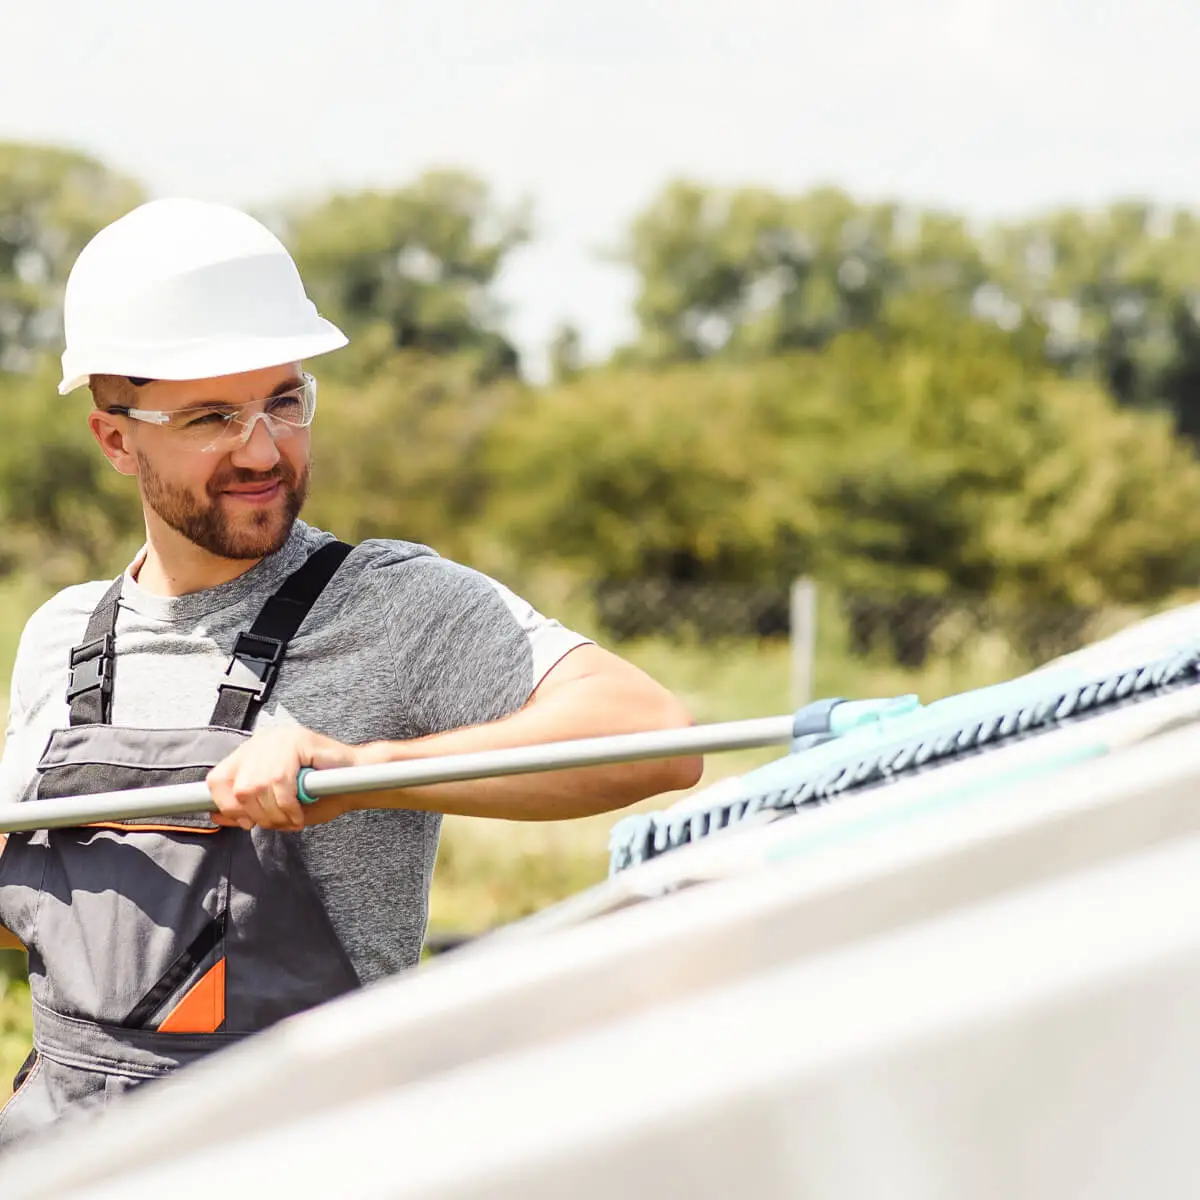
{"x":256,"y":660}
{"x":91,"y":667}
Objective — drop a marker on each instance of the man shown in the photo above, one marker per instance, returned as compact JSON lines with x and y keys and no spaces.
{"x":240,"y":646}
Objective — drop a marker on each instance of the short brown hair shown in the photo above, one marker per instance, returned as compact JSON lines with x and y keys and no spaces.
{"x":113,"y":391}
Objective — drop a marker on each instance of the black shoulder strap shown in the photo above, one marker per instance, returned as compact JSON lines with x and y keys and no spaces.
{"x":90,"y":683}
{"x":258,"y":652}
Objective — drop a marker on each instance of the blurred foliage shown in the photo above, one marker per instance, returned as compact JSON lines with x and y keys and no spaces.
{"x":1112,"y":294}
{"x":957,"y":467}
{"x":690,"y":473}
{"x":66,"y":513}
{"x":417,"y":261}
{"x":885,"y":397}
{"x":15,"y":1033}
{"x":566,"y":353}
{"x":1115,"y":287}
{"x":749,"y":272}
{"x":401,"y":452}
{"x":951,"y":464}
{"x":51,"y":203}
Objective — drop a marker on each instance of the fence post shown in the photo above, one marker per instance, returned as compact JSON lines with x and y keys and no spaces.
{"x":802,"y":638}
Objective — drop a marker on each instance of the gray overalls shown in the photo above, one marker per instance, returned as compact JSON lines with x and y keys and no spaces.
{"x":154,"y":943}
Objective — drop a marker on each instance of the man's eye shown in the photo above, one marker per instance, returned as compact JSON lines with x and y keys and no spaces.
{"x":287,"y":406}
{"x":201,"y":419}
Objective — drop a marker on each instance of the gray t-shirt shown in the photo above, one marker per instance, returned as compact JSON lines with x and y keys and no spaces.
{"x":402,"y":643}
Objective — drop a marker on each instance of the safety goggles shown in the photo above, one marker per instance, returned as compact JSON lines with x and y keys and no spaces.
{"x":211,"y":427}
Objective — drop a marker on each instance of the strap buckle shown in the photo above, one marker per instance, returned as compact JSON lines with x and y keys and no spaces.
{"x":255,"y":664}
{"x":91,"y":667}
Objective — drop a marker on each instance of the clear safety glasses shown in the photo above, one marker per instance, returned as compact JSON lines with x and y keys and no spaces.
{"x":223,"y":427}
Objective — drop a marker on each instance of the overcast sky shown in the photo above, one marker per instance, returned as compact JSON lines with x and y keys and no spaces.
{"x":589,"y":106}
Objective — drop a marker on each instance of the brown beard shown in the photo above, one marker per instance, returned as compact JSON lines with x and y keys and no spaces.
{"x":208,"y":526}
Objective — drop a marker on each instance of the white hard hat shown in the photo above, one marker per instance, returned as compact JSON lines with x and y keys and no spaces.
{"x":182,"y":289}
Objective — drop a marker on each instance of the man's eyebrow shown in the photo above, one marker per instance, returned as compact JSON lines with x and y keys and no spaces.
{"x":279,"y":390}
{"x":286,"y":386}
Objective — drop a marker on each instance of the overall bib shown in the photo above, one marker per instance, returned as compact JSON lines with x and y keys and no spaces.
{"x":156,"y":942}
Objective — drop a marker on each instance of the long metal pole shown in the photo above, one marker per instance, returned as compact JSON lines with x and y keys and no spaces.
{"x":179,"y":799}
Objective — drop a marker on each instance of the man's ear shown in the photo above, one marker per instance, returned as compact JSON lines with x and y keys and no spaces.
{"x":112,"y":438}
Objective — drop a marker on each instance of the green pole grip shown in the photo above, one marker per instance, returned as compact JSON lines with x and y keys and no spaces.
{"x":301,"y":790}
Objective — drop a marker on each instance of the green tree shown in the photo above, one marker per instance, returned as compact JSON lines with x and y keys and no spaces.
{"x":1179,"y":383}
{"x":750,"y":273}
{"x":693,"y":474}
{"x":973,"y":472}
{"x":418,"y":262}
{"x":1112,"y":287}
{"x":1108,"y":295}
{"x":884,"y":466}
{"x":52,"y":201}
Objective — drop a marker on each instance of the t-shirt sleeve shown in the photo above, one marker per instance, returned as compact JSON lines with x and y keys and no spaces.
{"x":549,"y":641}
{"x":15,"y":763}
{"x":466,"y":649}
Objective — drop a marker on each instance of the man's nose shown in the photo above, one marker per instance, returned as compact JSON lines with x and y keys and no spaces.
{"x":258,"y":452}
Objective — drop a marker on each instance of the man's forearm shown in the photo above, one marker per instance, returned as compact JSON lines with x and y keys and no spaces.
{"x":588,"y":693}
{"x":577,"y":710}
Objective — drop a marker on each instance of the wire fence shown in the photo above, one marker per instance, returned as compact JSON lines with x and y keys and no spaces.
{"x":909,"y":631}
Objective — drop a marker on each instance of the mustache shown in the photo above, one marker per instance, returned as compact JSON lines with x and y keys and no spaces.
{"x":282,"y":471}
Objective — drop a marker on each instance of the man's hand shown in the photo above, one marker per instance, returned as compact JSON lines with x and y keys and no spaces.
{"x":256,"y":784}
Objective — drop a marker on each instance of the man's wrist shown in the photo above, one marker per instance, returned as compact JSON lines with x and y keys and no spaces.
{"x":372,"y":754}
